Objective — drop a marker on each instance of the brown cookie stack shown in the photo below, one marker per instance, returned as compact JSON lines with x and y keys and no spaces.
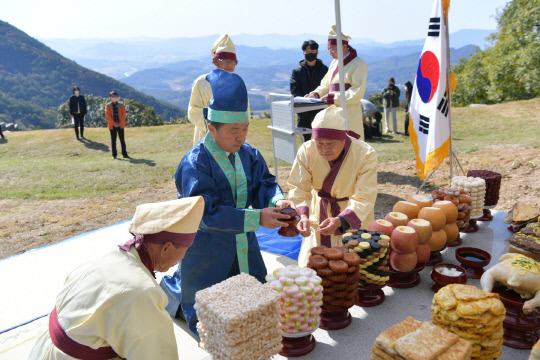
{"x":338,"y":270}
{"x":474,"y":315}
{"x":372,"y":247}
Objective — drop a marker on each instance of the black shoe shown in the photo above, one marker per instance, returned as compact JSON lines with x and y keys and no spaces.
{"x":114,"y":157}
{"x":126,"y":156}
{"x":83,"y":137}
{"x":78,"y":139}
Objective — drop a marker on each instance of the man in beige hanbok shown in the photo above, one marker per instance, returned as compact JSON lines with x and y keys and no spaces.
{"x":223,"y":57}
{"x":354,"y":77}
{"x":112,"y":307}
{"x":333,"y":183}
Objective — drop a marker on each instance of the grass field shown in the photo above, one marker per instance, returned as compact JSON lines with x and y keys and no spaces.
{"x":51,"y":164}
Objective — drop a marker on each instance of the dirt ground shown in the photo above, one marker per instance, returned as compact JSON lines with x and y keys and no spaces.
{"x":26,"y":224}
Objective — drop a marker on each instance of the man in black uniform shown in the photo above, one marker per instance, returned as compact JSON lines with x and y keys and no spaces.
{"x":305,"y":78}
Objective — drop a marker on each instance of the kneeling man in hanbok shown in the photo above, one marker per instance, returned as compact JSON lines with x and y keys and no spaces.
{"x":333,"y":183}
{"x":239,"y":194}
{"x":112,"y":307}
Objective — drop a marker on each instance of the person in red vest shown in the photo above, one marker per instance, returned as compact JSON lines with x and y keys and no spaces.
{"x":116,"y":121}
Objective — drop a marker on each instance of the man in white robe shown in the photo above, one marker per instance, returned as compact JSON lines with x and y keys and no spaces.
{"x":112,"y":307}
{"x":355,"y":78}
{"x":333,"y":183}
{"x":223,"y":57}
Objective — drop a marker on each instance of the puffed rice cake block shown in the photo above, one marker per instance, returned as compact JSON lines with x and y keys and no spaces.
{"x":239,"y":319}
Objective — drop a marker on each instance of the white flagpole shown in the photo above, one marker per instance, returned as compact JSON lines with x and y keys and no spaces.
{"x":448,"y":94}
{"x":340,"y":62}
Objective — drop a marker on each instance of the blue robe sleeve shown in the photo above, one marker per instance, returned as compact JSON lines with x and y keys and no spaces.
{"x":194,"y":177}
{"x":266,"y":191}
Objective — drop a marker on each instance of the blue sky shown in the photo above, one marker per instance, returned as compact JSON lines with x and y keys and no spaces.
{"x":380,"y":20}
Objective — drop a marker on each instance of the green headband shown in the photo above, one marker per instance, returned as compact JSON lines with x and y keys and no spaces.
{"x":228,"y":117}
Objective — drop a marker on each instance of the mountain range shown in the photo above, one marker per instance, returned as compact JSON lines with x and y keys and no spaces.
{"x":35,"y":80}
{"x":166,"y":68}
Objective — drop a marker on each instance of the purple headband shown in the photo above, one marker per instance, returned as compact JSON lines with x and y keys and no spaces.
{"x":329,"y":134}
{"x":334,"y":42}
{"x":178,"y":240}
{"x":225,"y":55}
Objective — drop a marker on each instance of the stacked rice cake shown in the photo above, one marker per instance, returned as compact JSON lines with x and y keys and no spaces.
{"x":474,"y":315}
{"x":416,"y":340}
{"x":239,"y":319}
{"x":372,"y":247}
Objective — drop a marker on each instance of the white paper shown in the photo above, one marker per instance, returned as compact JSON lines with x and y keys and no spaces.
{"x":305,"y":100}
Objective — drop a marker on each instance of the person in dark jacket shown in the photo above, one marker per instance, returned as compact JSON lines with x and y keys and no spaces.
{"x":390,"y":96}
{"x":305,"y":78}
{"x":77,"y":110}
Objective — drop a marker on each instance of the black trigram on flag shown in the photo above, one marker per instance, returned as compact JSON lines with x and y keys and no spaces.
{"x":434,"y":26}
{"x":423,"y":126}
{"x":443,"y":105}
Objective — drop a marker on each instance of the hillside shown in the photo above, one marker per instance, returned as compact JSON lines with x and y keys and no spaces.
{"x":54,"y":187}
{"x":35,"y":80}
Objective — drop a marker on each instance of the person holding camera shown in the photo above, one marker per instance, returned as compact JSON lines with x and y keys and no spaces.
{"x":390,"y":96}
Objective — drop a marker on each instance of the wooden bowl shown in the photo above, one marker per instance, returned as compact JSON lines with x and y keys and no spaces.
{"x":440,"y":280}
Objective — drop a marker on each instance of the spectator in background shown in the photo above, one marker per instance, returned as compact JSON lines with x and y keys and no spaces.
{"x":408,"y":94}
{"x":305,"y":78}
{"x":223,"y":57}
{"x":115,"y":113}
{"x":1,"y":135}
{"x":77,"y":110}
{"x":390,"y":96}
{"x":354,"y":79}
{"x":370,"y":111}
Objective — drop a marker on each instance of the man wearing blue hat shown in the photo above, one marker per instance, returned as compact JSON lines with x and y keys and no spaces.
{"x":231,"y":176}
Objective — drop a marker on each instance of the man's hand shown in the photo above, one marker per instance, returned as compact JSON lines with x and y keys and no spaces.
{"x":303,"y":226}
{"x":329,"y":226}
{"x":325,"y":98}
{"x":284,"y":204}
{"x":312,"y":96}
{"x":270,"y":216}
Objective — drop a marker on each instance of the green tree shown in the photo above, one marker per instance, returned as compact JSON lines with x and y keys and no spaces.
{"x":376,"y":99}
{"x":510,"y":68}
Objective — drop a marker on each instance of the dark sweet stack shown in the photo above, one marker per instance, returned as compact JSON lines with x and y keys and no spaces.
{"x":338,"y":270}
{"x":373,"y":249}
{"x":493,"y":185}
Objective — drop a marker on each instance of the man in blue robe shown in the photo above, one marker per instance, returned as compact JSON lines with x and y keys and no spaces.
{"x":239,"y":193}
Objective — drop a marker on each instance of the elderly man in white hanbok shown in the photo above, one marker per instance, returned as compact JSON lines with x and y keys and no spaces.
{"x":223,"y":57}
{"x":113,"y":307}
{"x":333,"y":183}
{"x":354,"y":78}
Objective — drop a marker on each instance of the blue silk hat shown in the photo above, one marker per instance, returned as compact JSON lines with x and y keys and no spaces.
{"x":230,"y":100}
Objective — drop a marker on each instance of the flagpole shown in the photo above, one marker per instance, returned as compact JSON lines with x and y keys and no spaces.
{"x":449,"y":95}
{"x":340,"y":62}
